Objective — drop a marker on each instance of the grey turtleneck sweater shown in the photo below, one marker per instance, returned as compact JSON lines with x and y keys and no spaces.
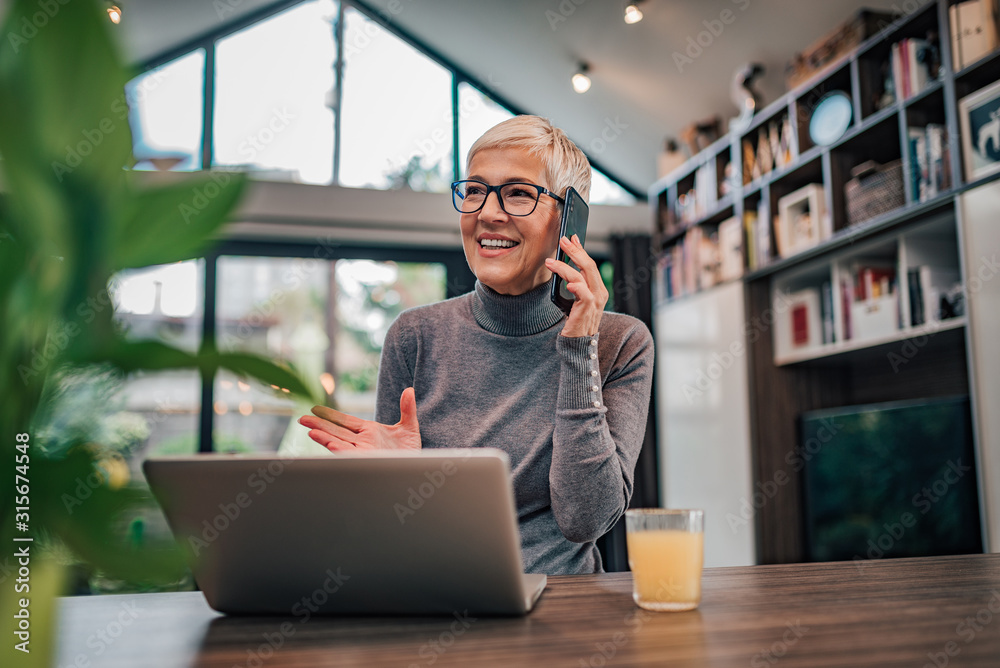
{"x":492,"y":370}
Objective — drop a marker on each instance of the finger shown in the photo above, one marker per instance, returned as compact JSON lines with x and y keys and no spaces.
{"x":408,"y":408}
{"x":329,"y":442}
{"x":335,"y":430}
{"x":331,"y":415}
{"x":583,"y":260}
{"x":564,"y":270}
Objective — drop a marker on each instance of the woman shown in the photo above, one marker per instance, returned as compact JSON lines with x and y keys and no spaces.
{"x":565,"y":397}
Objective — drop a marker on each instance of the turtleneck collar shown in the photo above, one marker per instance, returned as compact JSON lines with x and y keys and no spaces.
{"x":515,"y":315}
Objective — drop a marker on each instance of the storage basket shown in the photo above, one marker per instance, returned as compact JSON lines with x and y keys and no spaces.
{"x":874,"y":190}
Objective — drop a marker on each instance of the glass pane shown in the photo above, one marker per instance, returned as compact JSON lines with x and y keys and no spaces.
{"x":165,"y":112}
{"x":605,"y":191}
{"x":165,"y":303}
{"x":396,"y":122}
{"x":328,"y":319}
{"x":476,"y":114}
{"x":273,"y":91}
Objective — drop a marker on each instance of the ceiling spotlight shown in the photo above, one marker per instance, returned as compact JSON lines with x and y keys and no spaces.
{"x":581,"y":82}
{"x":632,"y":13}
{"x":115,"y":14}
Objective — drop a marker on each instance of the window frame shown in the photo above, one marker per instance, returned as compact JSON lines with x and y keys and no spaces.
{"x":459,"y":75}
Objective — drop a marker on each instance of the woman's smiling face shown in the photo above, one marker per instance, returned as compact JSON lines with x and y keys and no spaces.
{"x":521,"y":267}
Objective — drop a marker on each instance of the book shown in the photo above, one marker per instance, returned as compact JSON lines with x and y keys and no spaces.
{"x":750,"y":230}
{"x":930,"y":171}
{"x":730,"y":237}
{"x":826,"y":313}
{"x":803,"y":328}
{"x":973,"y":29}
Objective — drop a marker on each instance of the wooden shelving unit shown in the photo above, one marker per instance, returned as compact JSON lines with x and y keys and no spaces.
{"x":785,"y":383}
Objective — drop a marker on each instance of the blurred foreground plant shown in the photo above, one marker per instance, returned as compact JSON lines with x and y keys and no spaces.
{"x":71,"y":216}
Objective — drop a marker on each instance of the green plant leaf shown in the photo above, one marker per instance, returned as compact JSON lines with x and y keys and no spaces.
{"x":245,"y":364}
{"x":62,"y":87}
{"x":88,"y":515}
{"x":132,"y":356}
{"x":175,"y":222}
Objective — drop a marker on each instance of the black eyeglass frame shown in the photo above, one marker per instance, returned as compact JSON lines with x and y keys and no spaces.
{"x":542,"y":190}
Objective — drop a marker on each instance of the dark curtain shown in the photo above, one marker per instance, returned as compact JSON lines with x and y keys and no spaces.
{"x":634,"y":268}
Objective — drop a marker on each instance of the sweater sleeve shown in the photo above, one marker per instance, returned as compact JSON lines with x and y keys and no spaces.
{"x":395,"y":371}
{"x":599,"y":429}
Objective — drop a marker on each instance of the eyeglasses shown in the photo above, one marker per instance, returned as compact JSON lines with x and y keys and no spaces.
{"x":516,"y":199}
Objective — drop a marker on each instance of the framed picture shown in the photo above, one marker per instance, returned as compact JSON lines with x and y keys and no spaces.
{"x":802,"y":221}
{"x":979,"y":114}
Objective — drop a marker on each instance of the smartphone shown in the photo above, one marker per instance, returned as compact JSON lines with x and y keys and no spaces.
{"x":574,"y":221}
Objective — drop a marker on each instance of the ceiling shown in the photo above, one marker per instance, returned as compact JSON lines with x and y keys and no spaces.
{"x":526,"y":51}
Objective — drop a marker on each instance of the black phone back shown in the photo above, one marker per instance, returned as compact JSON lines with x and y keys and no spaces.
{"x":574,"y":221}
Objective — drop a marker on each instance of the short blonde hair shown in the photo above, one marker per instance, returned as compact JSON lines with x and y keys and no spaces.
{"x":565,"y":163}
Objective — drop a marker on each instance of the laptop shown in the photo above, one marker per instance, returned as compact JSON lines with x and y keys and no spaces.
{"x":372,"y":533}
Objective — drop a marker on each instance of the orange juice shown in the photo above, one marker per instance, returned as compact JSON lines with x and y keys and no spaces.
{"x":666,"y":568}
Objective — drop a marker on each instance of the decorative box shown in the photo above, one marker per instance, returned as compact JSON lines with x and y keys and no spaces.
{"x":874,"y":190}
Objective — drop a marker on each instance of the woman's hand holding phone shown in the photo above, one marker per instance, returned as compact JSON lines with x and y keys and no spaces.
{"x":587,"y":287}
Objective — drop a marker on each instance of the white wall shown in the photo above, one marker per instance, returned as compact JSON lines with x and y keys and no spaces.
{"x":704,"y":422}
{"x":980,"y":213}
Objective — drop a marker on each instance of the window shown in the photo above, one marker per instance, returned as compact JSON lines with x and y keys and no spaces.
{"x":396,"y":125}
{"x":274,"y":91}
{"x":164,"y":303}
{"x":327,"y":318}
{"x":605,"y":191}
{"x":477,"y":113}
{"x":165,"y":113}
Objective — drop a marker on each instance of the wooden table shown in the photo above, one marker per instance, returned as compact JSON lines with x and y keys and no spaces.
{"x":941,"y":611}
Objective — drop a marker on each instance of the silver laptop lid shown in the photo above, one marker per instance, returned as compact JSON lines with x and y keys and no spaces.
{"x":374,"y":532}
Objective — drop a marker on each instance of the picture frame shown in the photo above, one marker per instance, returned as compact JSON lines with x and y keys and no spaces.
{"x":979,"y":119}
{"x":802,"y":220}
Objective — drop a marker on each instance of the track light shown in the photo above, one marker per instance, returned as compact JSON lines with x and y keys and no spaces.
{"x":580,"y":80}
{"x":114,"y":13}
{"x":632,"y":13}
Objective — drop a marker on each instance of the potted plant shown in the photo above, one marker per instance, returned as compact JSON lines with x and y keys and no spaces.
{"x":72,"y":215}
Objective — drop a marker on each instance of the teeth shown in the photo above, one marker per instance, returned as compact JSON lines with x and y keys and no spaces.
{"x":497,"y":243}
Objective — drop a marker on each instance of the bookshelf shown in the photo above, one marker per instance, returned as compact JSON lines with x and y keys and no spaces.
{"x":841,"y":314}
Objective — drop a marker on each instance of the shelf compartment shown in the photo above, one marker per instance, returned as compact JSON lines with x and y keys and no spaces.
{"x":854,"y":346}
{"x":879,"y":143}
{"x":805,"y":104}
